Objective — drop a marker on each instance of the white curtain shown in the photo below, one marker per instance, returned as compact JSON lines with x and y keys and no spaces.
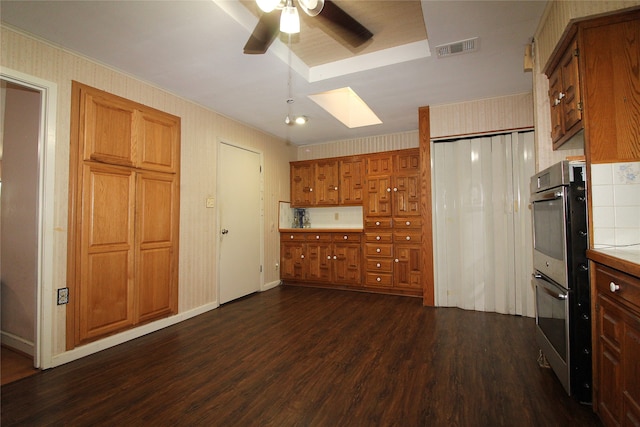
{"x":482,"y":223}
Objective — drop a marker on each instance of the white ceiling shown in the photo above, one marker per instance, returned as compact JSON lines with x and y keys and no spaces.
{"x":194,"y":49}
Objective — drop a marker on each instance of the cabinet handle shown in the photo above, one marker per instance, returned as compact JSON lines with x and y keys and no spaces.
{"x":613,"y":287}
{"x":408,"y":223}
{"x":377,"y":237}
{"x":345,"y":237}
{"x":388,"y":190}
{"x":335,"y":257}
{"x":301,"y":256}
{"x":556,"y":102}
{"x":291,"y":236}
{"x":378,"y":250}
{"x":561,"y":95}
{"x":378,"y":265}
{"x":317,"y":237}
{"x":335,"y":188}
{"x":397,"y":260}
{"x":328,"y":256}
{"x":377,"y":222}
{"x":408,"y":237}
{"x":310,"y":190}
{"x":378,"y":279}
{"x":395,"y":189}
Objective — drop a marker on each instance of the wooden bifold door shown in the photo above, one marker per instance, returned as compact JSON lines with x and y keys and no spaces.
{"x":123,"y":216}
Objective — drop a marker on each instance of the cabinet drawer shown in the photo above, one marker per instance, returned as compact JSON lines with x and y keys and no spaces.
{"x":318,"y":237}
{"x":347,"y":237}
{"x":407,"y":236}
{"x":378,"y":279}
{"x":380,"y":265}
{"x":379,"y":250}
{"x":618,"y":285}
{"x":408,"y":222}
{"x":374,"y":223}
{"x":293,"y":237}
{"x":379,"y":237}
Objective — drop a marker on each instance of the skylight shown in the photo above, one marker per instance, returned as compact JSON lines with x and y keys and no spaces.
{"x":345,"y":105}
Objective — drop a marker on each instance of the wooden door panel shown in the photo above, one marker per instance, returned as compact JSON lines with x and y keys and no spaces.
{"x":555,"y":88}
{"x":106,"y":128}
{"x":326,"y":182}
{"x":346,"y":266}
{"x":406,"y":195}
{"x":302,"y":194}
{"x":379,"y":165}
{"x":407,"y":269}
{"x":351,"y":182}
{"x":631,"y":369}
{"x":408,"y":162}
{"x":378,"y":201}
{"x":158,"y":141}
{"x":157,"y":283}
{"x":319,"y":262}
{"x":571,"y":88}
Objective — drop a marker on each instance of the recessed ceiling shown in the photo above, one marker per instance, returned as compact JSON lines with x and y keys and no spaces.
{"x":194,"y":49}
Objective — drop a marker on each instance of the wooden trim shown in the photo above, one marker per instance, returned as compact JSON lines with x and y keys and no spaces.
{"x":428,"y":297}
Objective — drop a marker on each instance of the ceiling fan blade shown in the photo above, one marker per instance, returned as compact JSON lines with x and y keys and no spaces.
{"x":354,"y":32}
{"x":263,"y":34}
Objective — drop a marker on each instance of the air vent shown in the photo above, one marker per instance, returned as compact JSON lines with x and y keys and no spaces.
{"x":457,"y":48}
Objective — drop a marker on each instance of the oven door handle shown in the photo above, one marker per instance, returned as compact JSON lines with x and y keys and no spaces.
{"x":555,"y":294}
{"x":546,"y":196}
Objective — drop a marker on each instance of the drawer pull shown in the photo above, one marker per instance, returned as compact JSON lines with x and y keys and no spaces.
{"x":377,"y":222}
{"x":302,"y":256}
{"x":335,"y":188}
{"x":345,"y":237}
{"x":377,"y":237}
{"x":397,"y":260}
{"x":291,"y":236}
{"x":378,"y":279}
{"x":408,"y":237}
{"x":335,"y":257}
{"x":378,"y":265}
{"x":378,"y":250}
{"x":408,"y":223}
{"x":328,"y":256}
{"x":317,"y":237}
{"x":613,"y":287}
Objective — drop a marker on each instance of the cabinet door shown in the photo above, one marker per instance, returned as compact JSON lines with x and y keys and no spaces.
{"x":631,"y":371}
{"x":157,"y":141}
{"x":379,"y":164}
{"x":106,"y":128}
{"x":378,"y":197}
{"x":292,"y":261}
{"x":326,"y":183}
{"x":156,"y":237}
{"x":406,"y":195}
{"x":609,"y":332}
{"x":302,"y":174}
{"x":408,"y":161}
{"x":346,"y":263}
{"x":351,"y":182}
{"x":572,"y":110}
{"x":407,"y":271}
{"x":106,"y":285}
{"x":318,"y":262}
{"x":555,"y":89}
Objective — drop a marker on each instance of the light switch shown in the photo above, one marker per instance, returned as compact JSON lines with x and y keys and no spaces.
{"x":210,"y":202}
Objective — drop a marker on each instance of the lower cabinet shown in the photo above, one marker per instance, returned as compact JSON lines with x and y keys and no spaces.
{"x":617,"y":347}
{"x":321,"y":257}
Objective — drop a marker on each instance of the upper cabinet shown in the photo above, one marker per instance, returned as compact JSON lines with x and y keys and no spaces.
{"x":611,"y":74}
{"x":327,"y":182}
{"x":564,"y":95}
{"x":594,"y":84}
{"x":122,"y":133}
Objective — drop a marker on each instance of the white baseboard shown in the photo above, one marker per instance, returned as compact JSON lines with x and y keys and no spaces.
{"x":112,"y":341}
{"x":17,"y":343}
{"x":271,"y":285}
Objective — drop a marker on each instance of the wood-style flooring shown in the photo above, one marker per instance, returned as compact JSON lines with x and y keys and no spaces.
{"x":14,"y":365}
{"x":295,"y":356}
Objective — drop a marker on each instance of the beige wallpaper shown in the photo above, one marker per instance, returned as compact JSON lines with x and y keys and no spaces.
{"x":201,"y":131}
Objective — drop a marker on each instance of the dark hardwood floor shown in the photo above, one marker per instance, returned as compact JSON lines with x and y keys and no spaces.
{"x":296,"y":356}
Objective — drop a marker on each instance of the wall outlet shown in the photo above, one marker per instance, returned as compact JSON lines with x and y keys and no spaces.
{"x":63,"y":296}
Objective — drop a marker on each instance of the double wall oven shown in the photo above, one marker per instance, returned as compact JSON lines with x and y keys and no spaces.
{"x":561,"y":276}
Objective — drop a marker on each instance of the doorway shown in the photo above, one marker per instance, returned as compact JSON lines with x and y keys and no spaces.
{"x":27,"y":159}
{"x":240,"y":219}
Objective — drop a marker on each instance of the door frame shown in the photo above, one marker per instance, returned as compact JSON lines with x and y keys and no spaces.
{"x":217,"y":205}
{"x":43,"y":342}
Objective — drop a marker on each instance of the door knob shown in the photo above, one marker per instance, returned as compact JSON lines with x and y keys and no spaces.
{"x":225,"y":231}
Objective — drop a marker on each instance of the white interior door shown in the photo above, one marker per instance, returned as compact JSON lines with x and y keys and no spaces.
{"x":239,"y":219}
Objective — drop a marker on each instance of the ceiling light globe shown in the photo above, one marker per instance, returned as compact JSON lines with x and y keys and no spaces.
{"x":300,"y":120}
{"x":289,"y":20}
{"x":267,"y":5}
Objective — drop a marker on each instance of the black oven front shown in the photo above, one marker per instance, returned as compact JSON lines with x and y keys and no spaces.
{"x":561,"y":276}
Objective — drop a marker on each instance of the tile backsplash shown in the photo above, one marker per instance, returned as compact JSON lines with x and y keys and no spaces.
{"x":616,"y":205}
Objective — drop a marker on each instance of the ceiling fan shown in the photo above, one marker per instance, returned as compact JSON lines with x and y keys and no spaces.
{"x":270,"y":22}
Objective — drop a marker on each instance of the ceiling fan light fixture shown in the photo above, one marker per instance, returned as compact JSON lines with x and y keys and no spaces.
{"x":267,"y":5}
{"x":300,"y":120}
{"x":289,"y":19}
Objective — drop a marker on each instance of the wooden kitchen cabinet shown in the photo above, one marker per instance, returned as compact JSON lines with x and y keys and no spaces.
{"x":564,"y":95}
{"x":617,"y":346}
{"x":611,"y":87}
{"x":327,"y":182}
{"x":321,"y":257}
{"x":124,"y":215}
{"x":393,"y":184}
